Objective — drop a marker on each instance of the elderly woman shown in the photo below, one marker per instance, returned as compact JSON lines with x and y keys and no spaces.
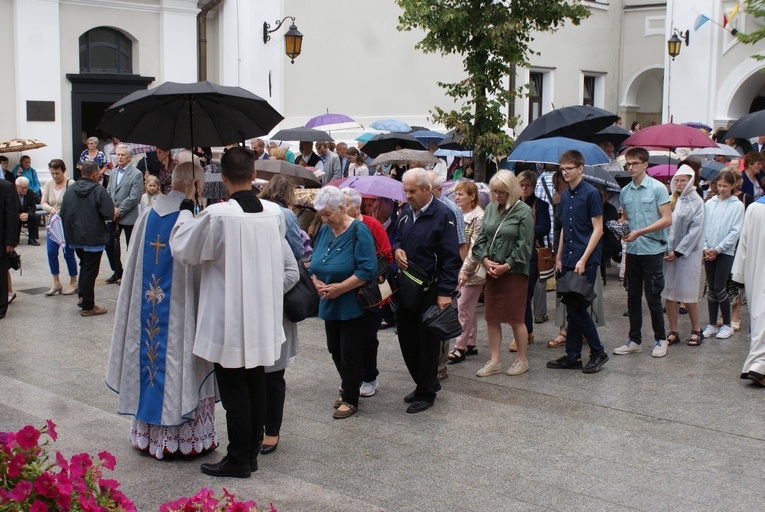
{"x":93,"y":154}
{"x":682,"y":263}
{"x":753,"y":176}
{"x":540,"y":209}
{"x":52,"y":198}
{"x":382,"y":248}
{"x":343,"y":259}
{"x":470,"y":283}
{"x":504,"y":248}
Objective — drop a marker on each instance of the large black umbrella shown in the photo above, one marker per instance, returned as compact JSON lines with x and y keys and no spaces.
{"x":751,"y":125}
{"x":453,"y":141}
{"x":386,"y":142}
{"x":577,"y":122}
{"x":613,"y":134}
{"x":302,"y":134}
{"x":299,"y":175}
{"x":175,"y":115}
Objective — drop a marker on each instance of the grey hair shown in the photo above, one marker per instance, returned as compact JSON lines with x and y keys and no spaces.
{"x":329,"y":197}
{"x":185,"y":173}
{"x":22,"y":181}
{"x":352,"y":195}
{"x":435,"y":179}
{"x":94,"y":140}
{"x":127,"y":148}
{"x":420,"y":176}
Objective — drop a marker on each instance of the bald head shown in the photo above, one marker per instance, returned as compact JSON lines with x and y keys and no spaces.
{"x":186,"y":172}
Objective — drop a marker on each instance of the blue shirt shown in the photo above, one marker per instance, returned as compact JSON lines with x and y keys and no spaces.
{"x":461,"y":237}
{"x":578,"y":207}
{"x":642,"y":206}
{"x":335,"y":259}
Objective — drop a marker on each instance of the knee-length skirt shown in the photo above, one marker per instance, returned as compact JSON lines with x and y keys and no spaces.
{"x":505,"y":298}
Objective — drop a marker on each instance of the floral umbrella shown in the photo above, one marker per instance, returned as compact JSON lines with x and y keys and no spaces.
{"x":18,"y":145}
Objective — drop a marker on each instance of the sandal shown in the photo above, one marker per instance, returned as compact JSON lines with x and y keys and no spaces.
{"x":471,"y":351}
{"x":672,"y":338}
{"x":558,"y":341}
{"x":456,"y":355}
{"x":696,"y":338}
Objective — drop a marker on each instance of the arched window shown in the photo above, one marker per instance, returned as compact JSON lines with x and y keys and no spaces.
{"x":106,"y":50}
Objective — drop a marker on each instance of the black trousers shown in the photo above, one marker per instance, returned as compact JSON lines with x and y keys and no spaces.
{"x":345,"y":343}
{"x":645,"y":273}
{"x":371,"y":344}
{"x":243,"y":395}
{"x":113,"y":250}
{"x":276,"y":391}
{"x":5,"y":264}
{"x":33,"y":226}
{"x":90,"y":263}
{"x":419,"y":348}
{"x":533,"y":278}
{"x":718,"y":271}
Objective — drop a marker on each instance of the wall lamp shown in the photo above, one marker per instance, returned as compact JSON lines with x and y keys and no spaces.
{"x":676,"y":41}
{"x":293,"y":40}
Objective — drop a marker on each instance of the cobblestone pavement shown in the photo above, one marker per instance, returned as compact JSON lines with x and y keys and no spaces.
{"x":678,"y":433}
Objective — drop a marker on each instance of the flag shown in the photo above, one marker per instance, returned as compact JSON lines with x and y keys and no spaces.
{"x":725,"y":20}
{"x":700,"y":20}
{"x":733,"y":13}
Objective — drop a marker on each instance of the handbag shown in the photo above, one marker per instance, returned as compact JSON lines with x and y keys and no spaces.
{"x":545,"y":262}
{"x":374,"y":292}
{"x":15,"y":261}
{"x":302,"y":301}
{"x":56,"y":229}
{"x":444,"y":324}
{"x":413,"y":285}
{"x":481,"y":272}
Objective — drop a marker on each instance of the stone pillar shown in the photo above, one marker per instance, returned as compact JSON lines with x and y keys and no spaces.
{"x":178,"y":41}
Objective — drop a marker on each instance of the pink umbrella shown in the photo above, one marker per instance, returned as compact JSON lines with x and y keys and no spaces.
{"x":378,"y":186}
{"x":669,"y":136}
{"x":663,"y":172}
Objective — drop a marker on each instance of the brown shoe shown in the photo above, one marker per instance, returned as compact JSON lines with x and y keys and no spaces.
{"x":514,"y":346}
{"x":93,"y":312}
{"x":349,"y":411}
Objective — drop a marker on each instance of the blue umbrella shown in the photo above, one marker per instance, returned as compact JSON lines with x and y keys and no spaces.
{"x":390,"y":125}
{"x":427,"y":136}
{"x":710,"y":169}
{"x":548,"y":151}
{"x":365,"y":137}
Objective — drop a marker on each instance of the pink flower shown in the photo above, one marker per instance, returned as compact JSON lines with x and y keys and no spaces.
{"x":38,"y":506}
{"x":64,"y":499}
{"x":107,"y":460}
{"x":61,"y":461}
{"x":271,"y":507}
{"x":15,"y":465}
{"x":80,"y":463}
{"x":108,"y":485}
{"x":27,"y":437}
{"x":21,"y":491}
{"x":45,"y":485}
{"x":52,"y":430}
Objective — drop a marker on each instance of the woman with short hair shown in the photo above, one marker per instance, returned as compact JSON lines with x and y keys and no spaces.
{"x":93,"y":154}
{"x":52,"y":199}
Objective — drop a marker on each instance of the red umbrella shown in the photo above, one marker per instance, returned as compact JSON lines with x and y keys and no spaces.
{"x":669,"y":136}
{"x":663,"y":173}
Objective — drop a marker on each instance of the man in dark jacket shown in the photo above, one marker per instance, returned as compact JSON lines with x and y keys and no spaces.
{"x":85,"y":210}
{"x":428,"y":239}
{"x":28,"y":210}
{"x":9,"y":237}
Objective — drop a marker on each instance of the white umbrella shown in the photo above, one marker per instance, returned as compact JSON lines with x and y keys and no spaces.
{"x":722,"y":150}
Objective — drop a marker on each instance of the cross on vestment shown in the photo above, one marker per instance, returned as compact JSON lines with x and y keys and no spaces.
{"x":158,"y":245}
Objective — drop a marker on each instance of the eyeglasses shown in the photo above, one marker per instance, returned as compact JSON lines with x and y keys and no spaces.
{"x":629,"y":165}
{"x":568,"y":169}
{"x":499,"y":192}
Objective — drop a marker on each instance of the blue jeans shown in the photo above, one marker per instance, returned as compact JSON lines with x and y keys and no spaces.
{"x":71,"y":264}
{"x":580,"y":324}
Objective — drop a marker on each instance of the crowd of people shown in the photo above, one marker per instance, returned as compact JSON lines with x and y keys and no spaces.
{"x":246,"y":253}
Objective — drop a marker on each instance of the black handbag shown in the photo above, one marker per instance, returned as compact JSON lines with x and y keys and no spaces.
{"x":15,"y":260}
{"x":413,"y":285}
{"x":444,"y":324}
{"x":302,"y":301}
{"x":374,"y":292}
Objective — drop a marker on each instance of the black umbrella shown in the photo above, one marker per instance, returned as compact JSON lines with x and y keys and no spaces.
{"x":577,"y":122}
{"x":751,"y":125}
{"x":386,"y":142}
{"x":302,"y":134}
{"x":175,"y":115}
{"x":613,"y":134}
{"x":299,"y":175}
{"x":453,"y":141}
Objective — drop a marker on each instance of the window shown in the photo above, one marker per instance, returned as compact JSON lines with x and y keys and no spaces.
{"x":535,"y":95}
{"x":588,"y":98}
{"x":106,"y":50}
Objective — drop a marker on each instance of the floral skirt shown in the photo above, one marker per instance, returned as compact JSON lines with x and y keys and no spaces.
{"x":190,"y":438}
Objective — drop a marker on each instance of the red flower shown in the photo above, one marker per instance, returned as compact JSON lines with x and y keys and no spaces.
{"x":15,"y":465}
{"x":52,"y":430}
{"x":27,"y":437}
{"x":45,"y":485}
{"x":21,"y":491}
{"x":107,"y":460}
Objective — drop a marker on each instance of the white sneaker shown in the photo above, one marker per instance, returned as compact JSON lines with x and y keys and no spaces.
{"x":660,"y":349}
{"x":368,"y":388}
{"x":489,"y":369}
{"x":726,"y":331}
{"x":709,"y":331}
{"x":628,"y":348}
{"x":518,"y":368}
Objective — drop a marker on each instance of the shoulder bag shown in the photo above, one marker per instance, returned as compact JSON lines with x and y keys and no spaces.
{"x":302,"y":301}
{"x":481,"y":273}
{"x":373,"y":293}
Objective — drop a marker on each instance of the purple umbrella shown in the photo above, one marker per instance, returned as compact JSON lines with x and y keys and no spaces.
{"x":380,"y":186}
{"x":662,"y":173}
{"x":331,"y":122}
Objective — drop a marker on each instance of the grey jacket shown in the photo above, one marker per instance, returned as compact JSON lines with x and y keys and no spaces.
{"x":127,"y":195}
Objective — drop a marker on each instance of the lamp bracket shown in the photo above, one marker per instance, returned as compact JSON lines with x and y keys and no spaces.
{"x":266,"y":27}
{"x":684,"y":36}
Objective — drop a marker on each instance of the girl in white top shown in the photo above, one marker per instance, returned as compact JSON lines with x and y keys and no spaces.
{"x":52,"y":197}
{"x":357,"y":167}
{"x":152,"y":191}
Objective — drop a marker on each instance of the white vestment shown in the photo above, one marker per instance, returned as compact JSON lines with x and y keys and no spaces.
{"x":241,"y":301}
{"x":159,"y":380}
{"x":748,"y":269}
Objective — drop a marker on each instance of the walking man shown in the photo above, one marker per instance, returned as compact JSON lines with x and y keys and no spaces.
{"x":646,"y":205}
{"x":125,"y":188}
{"x":579,"y":251}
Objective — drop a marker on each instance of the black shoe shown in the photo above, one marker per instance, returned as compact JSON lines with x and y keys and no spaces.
{"x":409,"y":398}
{"x":757,"y":378}
{"x":541,"y":320}
{"x":225,"y":468}
{"x":114,"y":278}
{"x":418,"y":406}
{"x":683,"y":311}
{"x":33,"y":242}
{"x":265,"y":450}
{"x":595,"y":362}
{"x":626,"y":312}
{"x":254,"y":462}
{"x":565,"y":363}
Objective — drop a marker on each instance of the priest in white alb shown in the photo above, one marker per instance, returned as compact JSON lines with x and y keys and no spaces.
{"x":168,"y":390}
{"x":748,"y":270}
